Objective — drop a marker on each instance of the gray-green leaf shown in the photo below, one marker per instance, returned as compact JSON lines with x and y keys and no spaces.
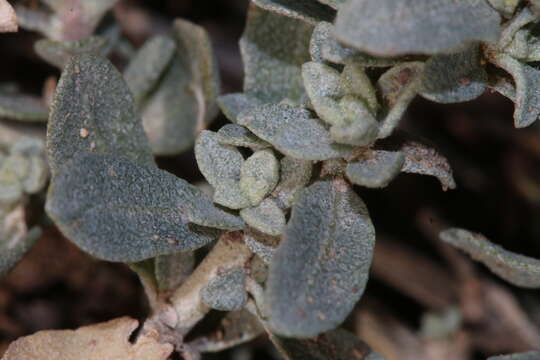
{"x":118,"y":210}
{"x":309,"y":11}
{"x":233,"y":104}
{"x":321,"y":268}
{"x":375,"y":168}
{"x":266,"y":217}
{"x":294,"y":176}
{"x":293,"y":131}
{"x":58,"y":53}
{"x":259,"y":175}
{"x":390,"y":28}
{"x":261,"y":244}
{"x":515,"y":268}
{"x":23,"y":107}
{"x":221,"y":166}
{"x":454,"y":78}
{"x":237,"y":135}
{"x":172,"y":270}
{"x":93,"y":112}
{"x":226,"y":292}
{"x":272,"y":61}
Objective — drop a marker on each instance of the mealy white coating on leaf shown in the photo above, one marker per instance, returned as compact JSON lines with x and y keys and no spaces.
{"x":321,"y":267}
{"x":525,"y":46}
{"x":530,"y":355}
{"x":309,"y":11}
{"x":226,"y":292}
{"x":148,"y":65}
{"x":323,"y":86}
{"x":375,"y":168}
{"x":424,"y":160}
{"x":93,"y":97}
{"x":118,"y":210}
{"x":517,"y":269}
{"x":259,"y":175}
{"x":293,"y":131}
{"x":266,"y":217}
{"x":455,"y":77}
{"x":294,"y":176}
{"x":355,"y":81}
{"x":233,"y":104}
{"x":57,"y":53}
{"x":221,"y":166}
{"x":23,"y":107}
{"x":511,"y":27}
{"x":238,"y":135}
{"x":319,"y":37}
{"x":359,"y":128}
{"x":271,"y":60}
{"x":390,"y":27}
{"x":527,"y":82}
{"x":184,"y":102}
{"x":15,"y":238}
{"x":398,"y":87}
{"x":261,"y":244}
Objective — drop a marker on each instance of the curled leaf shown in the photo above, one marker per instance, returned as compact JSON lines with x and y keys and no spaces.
{"x":293,"y":131}
{"x":424,"y":160}
{"x":15,"y":238}
{"x":309,"y":11}
{"x":221,"y":166}
{"x":226,"y":292}
{"x":58,"y":53}
{"x":376,"y":168}
{"x":148,"y":65}
{"x":266,"y":217}
{"x":454,"y":78}
{"x":294,"y":176}
{"x":527,"y":81}
{"x":390,"y":28}
{"x":117,"y":210}
{"x":272,"y":61}
{"x":109,"y":340}
{"x":85,"y":121}
{"x":259,"y":175}
{"x":516,"y":269}
{"x":321,"y":268}
{"x":237,"y":135}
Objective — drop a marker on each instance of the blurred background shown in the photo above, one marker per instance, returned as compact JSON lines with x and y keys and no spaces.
{"x":424,"y":299}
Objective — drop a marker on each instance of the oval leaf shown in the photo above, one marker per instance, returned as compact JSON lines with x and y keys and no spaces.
{"x":237,"y":135}
{"x":517,"y":269}
{"x":58,"y":53}
{"x":375,"y":169}
{"x":321,"y":268}
{"x":266,"y":217}
{"x":226,"y":292}
{"x":259,"y":175}
{"x":294,"y":176}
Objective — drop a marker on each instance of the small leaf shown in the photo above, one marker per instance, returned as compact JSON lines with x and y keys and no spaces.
{"x":83,"y":120}
{"x":226,"y":292}
{"x":266,"y":217}
{"x":184,"y":102}
{"x":261,"y":244}
{"x":390,"y":28}
{"x":294,"y":176}
{"x":148,"y":65}
{"x":293,"y":131}
{"x":505,"y":7}
{"x":323,"y":86}
{"x":8,"y":18}
{"x":355,"y":81}
{"x":531,"y":355}
{"x":117,"y":210}
{"x":517,"y":269}
{"x":309,"y":11}
{"x":58,"y":53}
{"x":272,"y":61}
{"x":237,"y":327}
{"x":221,"y":166}
{"x":319,"y":37}
{"x":338,"y":344}
{"x":454,"y":78}
{"x":23,"y":107}
{"x":527,"y":81}
{"x":233,"y":104}
{"x":321,"y":268}
{"x":359,"y":127}
{"x":259,"y":176}
{"x":109,"y":340}
{"x":421,"y":159}
{"x":15,"y":238}
{"x":237,"y":135}
{"x":398,"y":87}
{"x":172,"y":270}
{"x":376,"y":168}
